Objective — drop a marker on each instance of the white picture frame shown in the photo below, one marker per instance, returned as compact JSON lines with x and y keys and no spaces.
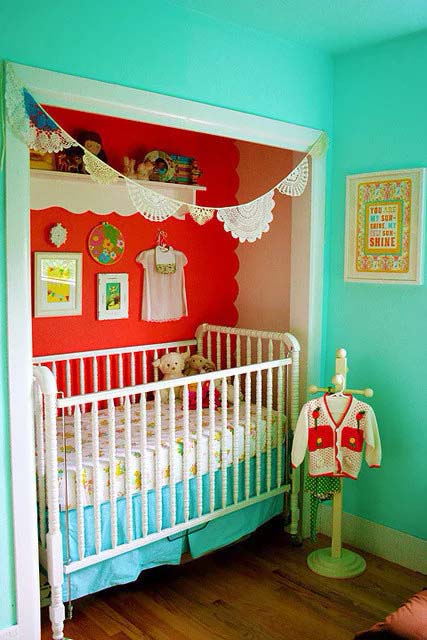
{"x":113,"y":296}
{"x":384,"y":228}
{"x":57,"y":284}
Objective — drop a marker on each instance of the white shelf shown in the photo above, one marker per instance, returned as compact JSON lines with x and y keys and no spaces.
{"x":78,"y":193}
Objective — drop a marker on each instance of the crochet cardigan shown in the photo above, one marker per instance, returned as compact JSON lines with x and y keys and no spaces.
{"x":335,"y":447}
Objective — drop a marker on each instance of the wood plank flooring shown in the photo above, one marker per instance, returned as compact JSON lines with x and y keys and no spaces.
{"x":260,"y":588}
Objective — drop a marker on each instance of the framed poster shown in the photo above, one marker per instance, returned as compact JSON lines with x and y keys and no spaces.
{"x":385,"y":227}
{"x":113,"y":302}
{"x":57,"y":284}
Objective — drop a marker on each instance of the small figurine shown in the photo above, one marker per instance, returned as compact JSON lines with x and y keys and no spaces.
{"x":144,"y":169}
{"x":129,"y":167}
{"x":195,"y":172}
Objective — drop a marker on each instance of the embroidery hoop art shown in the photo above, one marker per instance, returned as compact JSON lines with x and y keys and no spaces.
{"x":106,"y":244}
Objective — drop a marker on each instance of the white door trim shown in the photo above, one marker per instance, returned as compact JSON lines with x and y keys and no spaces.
{"x":90,"y":95}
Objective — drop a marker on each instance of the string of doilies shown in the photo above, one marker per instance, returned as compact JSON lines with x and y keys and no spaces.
{"x":248,"y":221}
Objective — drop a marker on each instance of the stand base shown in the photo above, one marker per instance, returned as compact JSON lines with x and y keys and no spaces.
{"x":349,"y":565}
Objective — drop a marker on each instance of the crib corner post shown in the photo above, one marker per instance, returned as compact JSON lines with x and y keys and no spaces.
{"x":294,"y":527}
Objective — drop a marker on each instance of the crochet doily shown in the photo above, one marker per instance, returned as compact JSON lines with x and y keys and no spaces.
{"x":201,"y":214}
{"x":295,"y":183}
{"x":98,"y":170}
{"x":30,"y":123}
{"x":151,"y":204}
{"x":248,"y":221}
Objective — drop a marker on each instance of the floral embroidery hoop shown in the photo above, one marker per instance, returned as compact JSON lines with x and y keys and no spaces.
{"x":106,"y":243}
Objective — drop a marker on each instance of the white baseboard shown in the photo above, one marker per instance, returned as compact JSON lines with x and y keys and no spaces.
{"x":393,"y":545}
{"x":11,"y":633}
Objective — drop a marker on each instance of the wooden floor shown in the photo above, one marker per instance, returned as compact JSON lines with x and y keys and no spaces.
{"x":259,"y":588}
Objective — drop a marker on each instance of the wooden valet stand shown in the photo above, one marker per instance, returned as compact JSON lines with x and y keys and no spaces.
{"x":334,"y":561}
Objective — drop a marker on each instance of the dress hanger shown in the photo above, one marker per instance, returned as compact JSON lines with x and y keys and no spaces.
{"x":161,"y":240}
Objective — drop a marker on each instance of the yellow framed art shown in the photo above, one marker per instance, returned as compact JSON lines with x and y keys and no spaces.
{"x":385,"y":227}
{"x":57,"y":284}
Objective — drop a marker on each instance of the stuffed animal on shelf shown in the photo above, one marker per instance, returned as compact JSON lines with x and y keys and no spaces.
{"x":172,"y":366}
{"x":91,"y":140}
{"x":129,"y":167}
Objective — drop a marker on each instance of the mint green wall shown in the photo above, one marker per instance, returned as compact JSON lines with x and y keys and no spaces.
{"x":380,"y":105}
{"x":163,"y":48}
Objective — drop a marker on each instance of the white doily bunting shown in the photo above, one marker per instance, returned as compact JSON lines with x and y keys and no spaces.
{"x":295,"y":183}
{"x":248,"y":221}
{"x":201,"y":214}
{"x":38,"y":139}
{"x":151,"y":204}
{"x":98,"y":170}
{"x":320,"y":147}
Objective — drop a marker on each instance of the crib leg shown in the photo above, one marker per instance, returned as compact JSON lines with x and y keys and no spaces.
{"x":57,"y":614}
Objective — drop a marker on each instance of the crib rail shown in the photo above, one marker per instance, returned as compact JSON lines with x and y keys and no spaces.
{"x":83,"y":372}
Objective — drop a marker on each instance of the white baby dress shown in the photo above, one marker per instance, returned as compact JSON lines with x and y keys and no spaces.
{"x":163,"y":297}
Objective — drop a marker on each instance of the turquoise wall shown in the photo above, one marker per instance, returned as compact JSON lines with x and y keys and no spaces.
{"x":380,"y":106}
{"x":166,"y":49}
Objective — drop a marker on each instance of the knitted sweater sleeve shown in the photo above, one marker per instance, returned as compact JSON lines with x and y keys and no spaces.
{"x":299,"y":443}
{"x":372,"y":440}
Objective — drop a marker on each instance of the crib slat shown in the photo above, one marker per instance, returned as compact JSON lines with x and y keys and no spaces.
{"x":211,"y":453}
{"x":113,"y":464}
{"x":259,"y":351}
{"x":79,"y":481}
{"x":41,"y":469}
{"x":238,"y":352}
{"x":224,"y":441}
{"x":144,"y":367}
{"x":132,"y":374}
{"x":144,"y":463}
{"x":185,"y":453}
{"x":156,"y":369}
{"x":280,"y":416}
{"x":247,"y":434}
{"x":172,"y":454}
{"x":96,"y":476}
{"x":269,"y":419}
{"x":258,"y":431}
{"x":248,"y":350}
{"x":128,"y":474}
{"x":199,"y":449}
{"x":228,"y":345}
{"x":158,"y":439}
{"x":108,"y":372}
{"x":236,"y":428}
{"x":68,"y":382}
{"x":82,"y":381}
{"x":218,"y":350}
{"x":209,"y":341}
{"x":95,"y":378}
{"x":120,"y":367}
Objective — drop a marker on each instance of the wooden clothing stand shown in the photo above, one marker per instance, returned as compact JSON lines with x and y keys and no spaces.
{"x":334,"y":561}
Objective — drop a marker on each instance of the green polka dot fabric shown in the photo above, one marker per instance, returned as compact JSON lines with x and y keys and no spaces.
{"x":320,"y":488}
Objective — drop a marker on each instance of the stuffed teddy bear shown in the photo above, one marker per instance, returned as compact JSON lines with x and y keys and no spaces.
{"x":196,"y":364}
{"x":172,"y":366}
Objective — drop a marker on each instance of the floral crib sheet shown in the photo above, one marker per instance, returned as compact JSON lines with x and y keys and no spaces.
{"x":145,"y":462}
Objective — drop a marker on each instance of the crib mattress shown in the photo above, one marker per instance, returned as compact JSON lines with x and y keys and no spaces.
{"x":143,"y":463}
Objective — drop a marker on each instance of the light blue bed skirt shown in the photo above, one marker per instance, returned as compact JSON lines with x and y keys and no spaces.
{"x":198,"y":541}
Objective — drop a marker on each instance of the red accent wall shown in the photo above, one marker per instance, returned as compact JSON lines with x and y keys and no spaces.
{"x":212,"y":263}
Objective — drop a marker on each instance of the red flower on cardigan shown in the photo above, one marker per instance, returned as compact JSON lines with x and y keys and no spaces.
{"x":359,"y":416}
{"x":316,"y":414}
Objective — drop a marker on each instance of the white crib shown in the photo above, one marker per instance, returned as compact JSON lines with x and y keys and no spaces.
{"x":105,"y":437}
